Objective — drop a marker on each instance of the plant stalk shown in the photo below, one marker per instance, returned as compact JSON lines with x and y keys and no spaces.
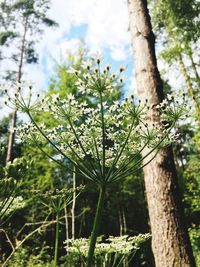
{"x":56,"y":241}
{"x":96,"y":226}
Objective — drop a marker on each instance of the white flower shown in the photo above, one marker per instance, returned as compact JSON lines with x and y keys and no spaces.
{"x":87,"y":64}
{"x":71,"y":70}
{"x":108,"y":133}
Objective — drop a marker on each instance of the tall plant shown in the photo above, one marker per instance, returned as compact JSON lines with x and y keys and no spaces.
{"x":103,"y":142}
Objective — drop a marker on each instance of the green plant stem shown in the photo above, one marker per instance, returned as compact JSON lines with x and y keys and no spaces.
{"x":103,"y":134}
{"x":56,"y":240}
{"x":96,"y":226}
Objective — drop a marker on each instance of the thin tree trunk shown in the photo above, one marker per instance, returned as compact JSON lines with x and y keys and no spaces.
{"x":9,"y":156}
{"x":170,"y":240}
{"x":120,"y":215}
{"x":124,"y":221}
{"x":120,"y":222}
{"x":194,"y":68}
{"x":66,"y":224}
{"x":189,"y":86}
{"x":73,"y":205}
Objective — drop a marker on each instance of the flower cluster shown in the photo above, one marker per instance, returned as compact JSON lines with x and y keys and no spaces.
{"x":56,"y":200}
{"x":96,"y":80}
{"x":103,"y":140}
{"x":112,"y":247}
{"x":28,"y":103}
{"x":174,"y":107}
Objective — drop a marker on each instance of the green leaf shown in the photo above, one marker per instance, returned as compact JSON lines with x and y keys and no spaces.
{"x":49,"y":22}
{"x":4,"y":37}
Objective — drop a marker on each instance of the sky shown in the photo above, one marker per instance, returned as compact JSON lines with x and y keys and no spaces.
{"x":102,"y":25}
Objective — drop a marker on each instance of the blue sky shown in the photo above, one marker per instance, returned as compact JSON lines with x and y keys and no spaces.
{"x":102,"y":25}
{"x":79,"y":32}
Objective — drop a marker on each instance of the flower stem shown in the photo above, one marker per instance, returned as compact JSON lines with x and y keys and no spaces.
{"x":56,"y":241}
{"x":96,"y":226}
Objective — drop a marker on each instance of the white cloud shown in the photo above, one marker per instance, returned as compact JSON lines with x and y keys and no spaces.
{"x":106,"y":23}
{"x":70,"y":46}
{"x":35,"y":75}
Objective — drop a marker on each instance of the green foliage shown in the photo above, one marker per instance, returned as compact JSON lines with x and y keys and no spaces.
{"x":195,"y":240}
{"x":5,"y":36}
{"x":192,"y":180}
{"x":179,"y":18}
{"x":177,"y":23}
{"x":24,"y":258}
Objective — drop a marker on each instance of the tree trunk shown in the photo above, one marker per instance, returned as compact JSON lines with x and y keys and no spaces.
{"x":190,"y":86}
{"x":194,"y":67}
{"x":9,"y":156}
{"x":170,"y":241}
{"x":124,"y":221}
{"x":120,"y":222}
{"x":66,"y":223}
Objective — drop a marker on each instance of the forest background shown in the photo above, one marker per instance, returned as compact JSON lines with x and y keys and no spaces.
{"x":70,"y":33}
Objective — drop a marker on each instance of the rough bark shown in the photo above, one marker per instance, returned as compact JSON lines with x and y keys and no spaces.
{"x":170,"y":241}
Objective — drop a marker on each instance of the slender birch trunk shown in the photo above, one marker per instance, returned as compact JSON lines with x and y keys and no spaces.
{"x":170,"y":240}
{"x":194,"y":68}
{"x":66,"y":224}
{"x":124,"y":221}
{"x":9,"y":156}
{"x":120,"y":222}
{"x":189,"y":86}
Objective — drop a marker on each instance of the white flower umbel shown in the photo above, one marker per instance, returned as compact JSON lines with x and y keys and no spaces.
{"x":103,"y":137}
{"x":108,"y":253}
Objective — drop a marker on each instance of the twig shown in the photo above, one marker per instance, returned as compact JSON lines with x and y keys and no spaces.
{"x":7,"y":237}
